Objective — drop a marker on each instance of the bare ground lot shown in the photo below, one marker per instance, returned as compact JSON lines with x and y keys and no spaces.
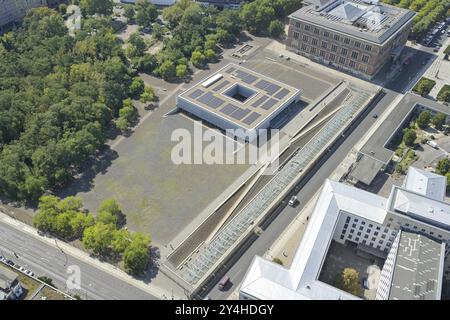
{"x":157,"y":195}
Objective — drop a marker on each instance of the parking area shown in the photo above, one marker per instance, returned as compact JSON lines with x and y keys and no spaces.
{"x":341,"y":256}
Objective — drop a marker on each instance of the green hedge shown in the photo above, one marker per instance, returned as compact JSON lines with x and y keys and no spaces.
{"x":444,"y":93}
{"x":424,"y":86}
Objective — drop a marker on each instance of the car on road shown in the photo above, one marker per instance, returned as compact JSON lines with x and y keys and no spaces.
{"x":223,"y":282}
{"x":436,"y":49}
{"x":375,"y":116}
{"x":293,"y":201}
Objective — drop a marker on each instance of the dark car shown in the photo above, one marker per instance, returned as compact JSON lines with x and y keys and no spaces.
{"x":375,"y":116}
{"x":10,"y":262}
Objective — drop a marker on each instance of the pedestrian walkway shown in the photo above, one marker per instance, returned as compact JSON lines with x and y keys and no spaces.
{"x":439,"y":71}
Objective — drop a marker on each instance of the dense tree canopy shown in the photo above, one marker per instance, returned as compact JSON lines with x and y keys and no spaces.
{"x":90,"y":7}
{"x":58,"y":95}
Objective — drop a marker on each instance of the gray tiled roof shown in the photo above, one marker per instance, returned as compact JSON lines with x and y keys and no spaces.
{"x":417,"y":268}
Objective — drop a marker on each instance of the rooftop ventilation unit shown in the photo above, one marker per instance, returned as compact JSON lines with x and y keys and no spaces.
{"x":212,"y":80}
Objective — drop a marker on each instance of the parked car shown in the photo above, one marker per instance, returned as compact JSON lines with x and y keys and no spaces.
{"x":375,"y":116}
{"x":10,"y":262}
{"x":29,"y":273}
{"x":432,"y":144}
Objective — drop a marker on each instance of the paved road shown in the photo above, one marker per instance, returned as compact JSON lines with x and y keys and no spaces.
{"x":43,"y":259}
{"x":285,"y":217}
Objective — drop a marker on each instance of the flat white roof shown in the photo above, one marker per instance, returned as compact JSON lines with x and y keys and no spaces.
{"x":426,"y":183}
{"x":268,"y":280}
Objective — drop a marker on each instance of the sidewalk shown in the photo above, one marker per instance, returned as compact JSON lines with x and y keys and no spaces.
{"x":156,"y":291}
{"x":439,"y":71}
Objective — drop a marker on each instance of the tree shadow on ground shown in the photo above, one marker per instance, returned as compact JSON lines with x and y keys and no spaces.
{"x":99,"y":164}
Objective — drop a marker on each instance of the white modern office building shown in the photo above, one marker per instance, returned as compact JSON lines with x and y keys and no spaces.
{"x":239,"y":99}
{"x":410,"y":229}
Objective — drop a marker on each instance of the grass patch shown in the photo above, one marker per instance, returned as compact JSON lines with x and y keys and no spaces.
{"x":424,"y":86}
{"x":51,"y":294}
{"x":444,"y":93}
{"x":447,"y":50}
{"x":29,"y":284}
{"x":406,"y":161}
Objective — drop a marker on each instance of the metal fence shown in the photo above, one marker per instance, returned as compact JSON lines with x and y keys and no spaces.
{"x":227,"y":236}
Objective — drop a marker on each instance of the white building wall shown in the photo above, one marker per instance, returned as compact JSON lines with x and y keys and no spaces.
{"x":387,"y":272}
{"x":366,"y":232}
{"x":222,"y":123}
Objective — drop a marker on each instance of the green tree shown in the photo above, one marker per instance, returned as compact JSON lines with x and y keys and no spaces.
{"x":447,"y":175}
{"x":146,"y":13}
{"x":129,"y":13}
{"x":157,"y":31}
{"x":224,"y":37}
{"x":136,"y":255}
{"x":122,"y":124}
{"x":228,"y":20}
{"x":349,"y":281}
{"x":121,"y":240}
{"x":210,"y":55}
{"x":181,"y":71}
{"x":98,"y":238}
{"x":136,"y":87}
{"x":137,"y":45}
{"x":423,"y":120}
{"x":167,"y":70}
{"x":409,"y":137}
{"x":276,"y":29}
{"x":91,"y":7}
{"x":438,"y":120}
{"x":147,"y":63}
{"x":148,"y":95}
{"x":106,"y":217}
{"x":443,"y":166}
{"x":198,"y":59}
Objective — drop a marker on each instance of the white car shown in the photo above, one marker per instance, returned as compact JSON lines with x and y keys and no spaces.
{"x":293,"y":201}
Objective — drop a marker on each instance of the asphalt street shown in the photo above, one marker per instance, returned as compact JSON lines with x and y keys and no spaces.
{"x":43,"y":259}
{"x":285,"y":217}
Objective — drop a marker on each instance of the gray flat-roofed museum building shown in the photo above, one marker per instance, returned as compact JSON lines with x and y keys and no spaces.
{"x":238,"y":98}
{"x":357,"y":36}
